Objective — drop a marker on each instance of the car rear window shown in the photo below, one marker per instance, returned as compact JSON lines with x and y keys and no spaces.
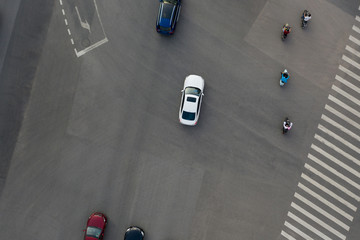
{"x":188,"y":115}
{"x":167,"y":10}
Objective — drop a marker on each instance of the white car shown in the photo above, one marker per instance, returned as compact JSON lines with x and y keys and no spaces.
{"x":191,"y":99}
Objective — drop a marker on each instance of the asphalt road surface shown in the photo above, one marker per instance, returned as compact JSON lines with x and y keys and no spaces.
{"x":96,"y":93}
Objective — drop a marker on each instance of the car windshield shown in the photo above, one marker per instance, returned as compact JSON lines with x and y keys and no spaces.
{"x":188,"y":115}
{"x":167,"y":10}
{"x":93,"y":232}
{"x":192,"y":90}
{"x":171,"y":1}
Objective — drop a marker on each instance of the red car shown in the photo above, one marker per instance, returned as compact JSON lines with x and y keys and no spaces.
{"x":95,"y":226}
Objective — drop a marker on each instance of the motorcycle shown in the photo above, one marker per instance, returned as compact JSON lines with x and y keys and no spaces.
{"x":284,"y":77}
{"x":286,"y":29}
{"x":287,"y":125}
{"x":305,"y":17}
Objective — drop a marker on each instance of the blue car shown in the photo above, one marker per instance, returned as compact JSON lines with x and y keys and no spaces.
{"x":169,"y":12}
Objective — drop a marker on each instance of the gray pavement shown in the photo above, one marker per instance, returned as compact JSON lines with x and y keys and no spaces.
{"x":100,"y":132}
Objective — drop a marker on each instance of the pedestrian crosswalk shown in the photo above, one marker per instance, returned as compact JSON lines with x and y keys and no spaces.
{"x":328,"y":192}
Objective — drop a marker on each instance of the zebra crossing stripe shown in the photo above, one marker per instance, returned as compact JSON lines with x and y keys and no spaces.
{"x":356,"y":29}
{"x":342,"y":116}
{"x":350,"y":73}
{"x":335,"y":160}
{"x":329,"y":192}
{"x":330,"y":145}
{"x":338,"y":126}
{"x":326,"y":202}
{"x":352,"y":62}
{"x":340,"y":139}
{"x":353,"y":51}
{"x":346,"y":95}
{"x":354,"y":40}
{"x":318,"y":221}
{"x":308,"y":226}
{"x":350,"y":85}
{"x":343,"y":105}
{"x":333,"y":171}
{"x":286,"y":235}
{"x":321,"y":211}
{"x":332,"y":182}
{"x":298,"y":231}
{"x":357,"y":17}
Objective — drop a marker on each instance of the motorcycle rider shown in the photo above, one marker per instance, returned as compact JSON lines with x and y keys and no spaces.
{"x":284,"y":77}
{"x":287,"y":124}
{"x":305,"y":17}
{"x":286,"y":30}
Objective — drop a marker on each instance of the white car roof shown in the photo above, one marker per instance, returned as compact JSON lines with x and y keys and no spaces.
{"x":190,"y":106}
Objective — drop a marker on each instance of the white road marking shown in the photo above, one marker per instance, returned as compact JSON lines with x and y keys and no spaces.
{"x":83,"y":24}
{"x":340,"y":139}
{"x":335,"y":160}
{"x":343,"y":105}
{"x":322,"y":211}
{"x":356,"y":29}
{"x":329,"y":192}
{"x":63,"y":11}
{"x":334,"y":171}
{"x":60,"y":2}
{"x":66,"y":22}
{"x":326,"y":202}
{"x":298,"y":231}
{"x":287,"y":236}
{"x":69,"y":32}
{"x":350,"y":73}
{"x":353,"y":51}
{"x":82,"y":52}
{"x":337,"y":125}
{"x":330,"y":145}
{"x":352,"y":62}
{"x":332,"y":182}
{"x":345,"y":94}
{"x":353,"y":39}
{"x":342,"y":116}
{"x":350,"y":85}
{"x":72,"y":41}
{"x":318,"y":221}
{"x":308,"y":226}
{"x":357,"y":17}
